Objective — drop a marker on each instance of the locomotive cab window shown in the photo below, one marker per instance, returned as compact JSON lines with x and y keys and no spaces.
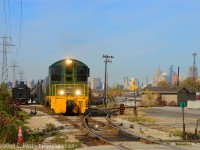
{"x":82,"y":73}
{"x":56,"y":73}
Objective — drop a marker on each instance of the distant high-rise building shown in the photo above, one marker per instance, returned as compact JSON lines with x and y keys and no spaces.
{"x":170,"y":74}
{"x":126,"y":83}
{"x":95,"y":83}
{"x":164,"y":77}
{"x":174,"y":78}
{"x":193,"y":72}
{"x":157,"y":77}
{"x":135,"y":81}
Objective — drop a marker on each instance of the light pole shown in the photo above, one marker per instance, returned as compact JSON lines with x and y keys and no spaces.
{"x":107,"y":60}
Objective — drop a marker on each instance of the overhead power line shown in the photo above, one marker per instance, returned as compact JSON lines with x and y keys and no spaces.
{"x":14,"y":70}
{"x":9,"y":17}
{"x":20,"y":28}
{"x":4,"y":3}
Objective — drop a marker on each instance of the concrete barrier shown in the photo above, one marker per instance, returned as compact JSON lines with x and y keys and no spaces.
{"x":193,"y":104}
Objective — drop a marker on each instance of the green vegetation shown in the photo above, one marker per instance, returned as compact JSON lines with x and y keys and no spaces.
{"x":10,"y":118}
{"x":63,"y":139}
{"x":113,"y":92}
{"x":163,"y":83}
{"x":101,"y":106}
{"x":149,"y":99}
{"x":50,"y":127}
{"x":177,"y":133}
{"x":140,"y":119}
{"x":183,"y":143}
{"x":34,"y":137}
{"x":191,"y":84}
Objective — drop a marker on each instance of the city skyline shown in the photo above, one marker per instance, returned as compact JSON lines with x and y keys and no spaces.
{"x":141,"y":35}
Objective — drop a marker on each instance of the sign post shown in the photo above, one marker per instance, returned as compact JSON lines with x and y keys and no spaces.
{"x":183,"y":105}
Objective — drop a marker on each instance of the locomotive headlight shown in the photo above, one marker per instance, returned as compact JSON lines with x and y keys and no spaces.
{"x":77,"y":92}
{"x":61,"y":92}
{"x":69,"y":61}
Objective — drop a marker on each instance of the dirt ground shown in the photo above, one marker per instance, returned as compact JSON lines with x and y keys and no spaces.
{"x":159,"y":123}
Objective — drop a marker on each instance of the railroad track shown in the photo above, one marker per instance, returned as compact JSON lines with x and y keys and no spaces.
{"x":114,"y":134}
{"x":101,"y":131}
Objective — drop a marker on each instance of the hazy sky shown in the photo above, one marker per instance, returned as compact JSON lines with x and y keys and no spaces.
{"x":142,"y":35}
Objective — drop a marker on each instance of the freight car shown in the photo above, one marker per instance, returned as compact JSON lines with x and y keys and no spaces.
{"x":65,"y":89}
{"x":21,"y":93}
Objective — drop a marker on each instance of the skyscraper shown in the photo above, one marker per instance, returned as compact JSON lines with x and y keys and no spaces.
{"x":126,"y":83}
{"x":170,"y":74}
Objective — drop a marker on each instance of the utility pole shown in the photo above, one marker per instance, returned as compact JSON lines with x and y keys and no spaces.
{"x":4,"y":77}
{"x":14,"y":71}
{"x":107,"y":60}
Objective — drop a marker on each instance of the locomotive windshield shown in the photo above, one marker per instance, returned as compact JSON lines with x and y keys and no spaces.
{"x":82,"y":73}
{"x":56,"y":73}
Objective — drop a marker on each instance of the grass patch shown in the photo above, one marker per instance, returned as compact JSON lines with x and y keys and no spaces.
{"x":59,"y":139}
{"x":72,"y":145}
{"x":178,"y":133}
{"x":140,"y":119}
{"x":183,"y":143}
{"x":100,"y":106}
{"x":62,"y":139}
{"x":34,"y":137}
{"x":24,"y":114}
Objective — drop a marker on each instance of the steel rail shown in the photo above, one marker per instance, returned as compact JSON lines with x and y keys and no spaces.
{"x":135,"y":135}
{"x":87,"y":127}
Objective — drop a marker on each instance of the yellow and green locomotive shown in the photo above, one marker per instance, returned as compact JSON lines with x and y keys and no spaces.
{"x":65,"y":89}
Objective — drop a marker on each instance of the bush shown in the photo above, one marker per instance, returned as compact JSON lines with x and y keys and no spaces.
{"x":149,"y":99}
{"x":9,"y":121}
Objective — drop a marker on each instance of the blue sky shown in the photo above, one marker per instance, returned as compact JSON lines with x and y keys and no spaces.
{"x":142,"y":35}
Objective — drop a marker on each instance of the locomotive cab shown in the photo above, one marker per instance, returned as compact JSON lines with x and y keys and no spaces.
{"x":68,"y":86}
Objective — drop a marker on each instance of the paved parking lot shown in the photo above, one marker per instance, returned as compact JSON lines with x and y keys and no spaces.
{"x":172,"y":117}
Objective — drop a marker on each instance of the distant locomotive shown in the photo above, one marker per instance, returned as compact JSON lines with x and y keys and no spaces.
{"x":65,"y":89}
{"x":21,"y":93}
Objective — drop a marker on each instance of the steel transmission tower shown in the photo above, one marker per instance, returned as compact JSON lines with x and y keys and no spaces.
{"x":21,"y":75}
{"x":107,"y":60}
{"x":4,"y":77}
{"x":14,"y":71}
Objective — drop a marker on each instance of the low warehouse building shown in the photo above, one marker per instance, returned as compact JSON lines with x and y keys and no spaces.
{"x":170,"y":94}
